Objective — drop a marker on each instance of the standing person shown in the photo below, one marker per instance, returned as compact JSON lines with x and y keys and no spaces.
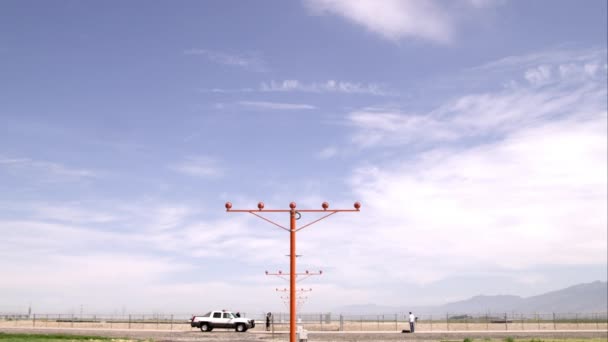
{"x":412,"y":321}
{"x":268,"y":316}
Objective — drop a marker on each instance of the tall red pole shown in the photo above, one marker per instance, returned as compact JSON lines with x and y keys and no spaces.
{"x":292,"y":275}
{"x":292,"y":234}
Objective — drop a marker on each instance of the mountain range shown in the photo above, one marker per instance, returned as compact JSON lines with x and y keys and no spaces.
{"x":581,"y":298}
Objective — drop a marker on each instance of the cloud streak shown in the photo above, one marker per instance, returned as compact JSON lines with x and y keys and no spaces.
{"x":198,"y":166}
{"x":330,"y":86}
{"x":296,"y":86}
{"x":250,"y":61}
{"x":48,"y":171}
{"x":570,"y":87}
{"x":276,"y":105}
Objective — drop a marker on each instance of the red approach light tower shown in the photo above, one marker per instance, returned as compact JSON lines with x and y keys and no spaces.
{"x":298,"y":290}
{"x":305,"y":275}
{"x":301,"y":300}
{"x":293,"y":216}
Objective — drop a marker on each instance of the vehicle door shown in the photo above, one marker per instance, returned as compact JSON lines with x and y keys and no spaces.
{"x":228,"y":320}
{"x":216,"y":320}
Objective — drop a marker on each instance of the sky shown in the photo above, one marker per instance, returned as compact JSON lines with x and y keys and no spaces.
{"x":473,"y":132}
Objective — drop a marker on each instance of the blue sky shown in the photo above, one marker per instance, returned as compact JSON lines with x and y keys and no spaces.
{"x":473,"y":132}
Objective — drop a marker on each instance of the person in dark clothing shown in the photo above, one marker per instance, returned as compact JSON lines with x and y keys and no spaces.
{"x":238,"y":315}
{"x":268,"y":317}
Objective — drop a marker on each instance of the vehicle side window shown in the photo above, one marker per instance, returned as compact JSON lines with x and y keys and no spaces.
{"x":228,"y":315}
{"x":208,"y":314}
{"x":217,"y":315}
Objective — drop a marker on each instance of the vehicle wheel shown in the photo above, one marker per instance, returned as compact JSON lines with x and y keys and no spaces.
{"x":205,"y":327}
{"x":240,"y":327}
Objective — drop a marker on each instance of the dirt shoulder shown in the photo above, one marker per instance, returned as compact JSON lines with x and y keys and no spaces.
{"x":187,"y":336}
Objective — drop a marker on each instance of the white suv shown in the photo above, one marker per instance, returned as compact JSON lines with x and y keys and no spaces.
{"x":221,"y":319}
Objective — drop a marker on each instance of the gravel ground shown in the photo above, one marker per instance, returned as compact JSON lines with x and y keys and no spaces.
{"x":192,"y":336}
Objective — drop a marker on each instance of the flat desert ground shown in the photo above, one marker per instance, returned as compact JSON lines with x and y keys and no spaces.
{"x":355,"y":336}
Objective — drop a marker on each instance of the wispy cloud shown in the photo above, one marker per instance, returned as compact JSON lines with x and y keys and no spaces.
{"x":73,"y":213}
{"x":249,"y":61}
{"x":553,"y":56}
{"x":326,"y":87}
{"x":330,"y":86}
{"x":548,"y":91}
{"x":328,"y":152}
{"x":397,"y":19}
{"x":49,"y":171}
{"x":226,"y":91}
{"x":527,"y":162}
{"x":199,"y":166}
{"x":276,"y":105}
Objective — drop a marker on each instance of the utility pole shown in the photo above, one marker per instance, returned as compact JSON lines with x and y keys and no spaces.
{"x":293,"y":216}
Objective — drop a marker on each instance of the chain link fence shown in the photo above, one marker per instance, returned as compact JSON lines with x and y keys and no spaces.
{"x":327,"y":321}
{"x":449,"y":322}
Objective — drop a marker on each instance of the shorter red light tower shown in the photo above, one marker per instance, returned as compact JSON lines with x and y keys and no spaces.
{"x":307,"y":274}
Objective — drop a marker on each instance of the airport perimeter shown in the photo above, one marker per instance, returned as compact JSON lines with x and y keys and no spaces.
{"x":326,"y":322}
{"x":323,"y":327}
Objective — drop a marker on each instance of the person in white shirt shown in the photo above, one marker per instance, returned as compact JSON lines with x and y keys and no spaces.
{"x":412,"y":321}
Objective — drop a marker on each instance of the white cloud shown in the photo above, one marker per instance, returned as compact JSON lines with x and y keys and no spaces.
{"x":539,"y":75}
{"x":392,"y":127}
{"x":491,"y":114}
{"x":537,"y":197}
{"x":199,"y":166}
{"x":276,"y":105}
{"x":326,"y":87}
{"x":392,"y":19}
{"x":507,"y":180}
{"x":248,"y":61}
{"x":330,"y":86}
{"x":486,"y":183}
{"x":581,"y":71}
{"x":67,"y":262}
{"x":554,"y":57}
{"x":398,"y":19}
{"x":223,"y":91}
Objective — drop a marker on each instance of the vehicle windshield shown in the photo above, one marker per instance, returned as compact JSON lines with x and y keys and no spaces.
{"x":208,"y":314}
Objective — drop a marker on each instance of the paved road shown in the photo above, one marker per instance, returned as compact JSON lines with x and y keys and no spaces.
{"x":359,"y":336}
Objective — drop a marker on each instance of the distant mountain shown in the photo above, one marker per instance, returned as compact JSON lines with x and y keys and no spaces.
{"x":367,"y":309}
{"x":500,"y":303}
{"x":590,"y":297}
